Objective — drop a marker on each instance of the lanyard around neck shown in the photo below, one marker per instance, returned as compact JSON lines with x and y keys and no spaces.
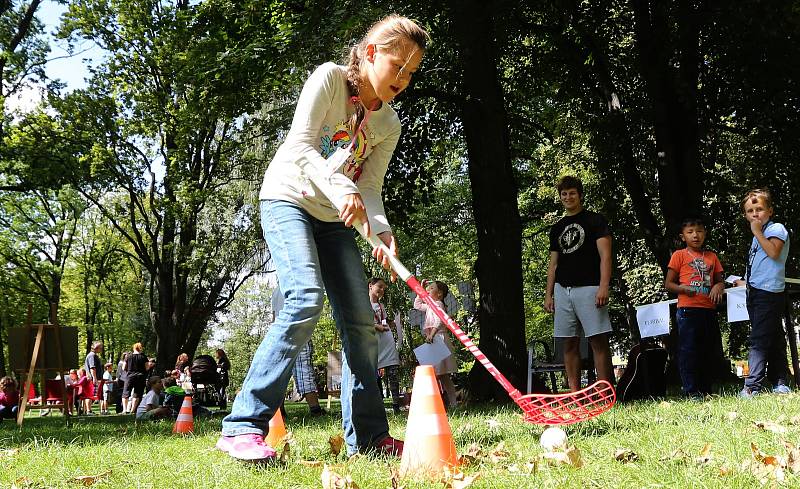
{"x":363,"y":121}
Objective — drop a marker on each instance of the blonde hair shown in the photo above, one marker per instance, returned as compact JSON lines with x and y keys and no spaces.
{"x":137,"y":347}
{"x":392,"y":32}
{"x":753,"y":195}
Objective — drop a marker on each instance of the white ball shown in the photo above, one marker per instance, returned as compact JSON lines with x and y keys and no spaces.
{"x":553,"y":438}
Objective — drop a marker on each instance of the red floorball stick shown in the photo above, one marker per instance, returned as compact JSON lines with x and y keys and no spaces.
{"x":544,"y":409}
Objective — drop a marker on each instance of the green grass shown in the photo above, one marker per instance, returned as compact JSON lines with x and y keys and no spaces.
{"x":149,"y":456}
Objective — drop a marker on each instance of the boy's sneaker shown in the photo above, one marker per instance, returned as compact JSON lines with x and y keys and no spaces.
{"x":748,"y":393}
{"x":781,"y":389}
{"x":390,"y":446}
{"x":250,"y":447}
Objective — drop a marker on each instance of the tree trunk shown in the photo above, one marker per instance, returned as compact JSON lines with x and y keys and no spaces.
{"x":673,"y":96}
{"x":2,"y":347}
{"x":494,"y":194}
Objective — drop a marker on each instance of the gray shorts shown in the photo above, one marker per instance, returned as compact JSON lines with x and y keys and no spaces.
{"x":575,"y":307}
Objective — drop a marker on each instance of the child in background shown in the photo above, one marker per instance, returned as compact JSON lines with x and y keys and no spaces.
{"x":84,"y":390}
{"x":108,"y":388}
{"x":174,"y":395}
{"x":388,"y":356}
{"x":695,"y":275}
{"x":71,"y":381}
{"x":150,"y":408}
{"x":343,"y":111}
{"x":9,"y":398}
{"x":434,"y":327}
{"x":765,"y":280}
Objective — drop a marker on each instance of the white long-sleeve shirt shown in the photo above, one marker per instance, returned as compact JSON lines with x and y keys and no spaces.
{"x":319,"y":127}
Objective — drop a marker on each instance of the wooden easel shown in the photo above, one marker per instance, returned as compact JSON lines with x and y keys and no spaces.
{"x":34,"y":353}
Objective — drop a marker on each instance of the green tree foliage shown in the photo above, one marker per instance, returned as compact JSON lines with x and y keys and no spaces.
{"x":171,"y":157}
{"x":37,"y":230}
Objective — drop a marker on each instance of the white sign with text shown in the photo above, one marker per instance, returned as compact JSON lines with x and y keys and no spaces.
{"x":737,"y":304}
{"x":653,"y":319}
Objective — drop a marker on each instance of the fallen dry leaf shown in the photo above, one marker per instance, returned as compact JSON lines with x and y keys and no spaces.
{"x":732,"y":415}
{"x":332,"y":480}
{"x":792,"y":457}
{"x":665,"y":404}
{"x":285,"y":453}
{"x":310,"y":463}
{"x":571,"y":456}
{"x":452,"y":478}
{"x":499,"y":453}
{"x":771,"y":426}
{"x":625,"y":455}
{"x":465,"y":482}
{"x":676,"y":454}
{"x":705,"y":455}
{"x":764,"y":472}
{"x":763,"y":458}
{"x":88,"y":480}
{"x":26,"y":483}
{"x":724,"y":470}
{"x":336,"y":443}
{"x":471,"y":456}
{"x":764,"y":467}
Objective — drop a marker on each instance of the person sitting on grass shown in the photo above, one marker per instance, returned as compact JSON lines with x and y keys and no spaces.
{"x":9,"y":398}
{"x":150,"y":408}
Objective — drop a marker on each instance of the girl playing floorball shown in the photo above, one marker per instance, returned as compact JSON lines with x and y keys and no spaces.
{"x":313,"y":249}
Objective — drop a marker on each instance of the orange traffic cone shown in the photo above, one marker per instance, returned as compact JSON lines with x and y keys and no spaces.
{"x":277,"y":430}
{"x":429,"y":442}
{"x":185,"y":421}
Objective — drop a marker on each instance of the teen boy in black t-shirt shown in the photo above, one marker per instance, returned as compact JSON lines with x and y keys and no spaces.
{"x":577,"y":281}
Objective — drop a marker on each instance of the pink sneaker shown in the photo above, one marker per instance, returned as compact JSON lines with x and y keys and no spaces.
{"x":390,"y":446}
{"x":250,"y":447}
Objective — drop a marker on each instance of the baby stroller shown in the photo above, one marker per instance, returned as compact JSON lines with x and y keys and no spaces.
{"x":205,"y":380}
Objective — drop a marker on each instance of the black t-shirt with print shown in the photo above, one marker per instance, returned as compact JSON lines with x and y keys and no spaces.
{"x":575,"y":240}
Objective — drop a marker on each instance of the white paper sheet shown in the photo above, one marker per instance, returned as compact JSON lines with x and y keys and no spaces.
{"x":737,"y":304}
{"x":731,"y":279}
{"x":432,"y":353}
{"x":653,"y":319}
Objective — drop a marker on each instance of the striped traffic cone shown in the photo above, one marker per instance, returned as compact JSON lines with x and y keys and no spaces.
{"x":185,"y":421}
{"x":429,"y":445}
{"x":277,"y":429}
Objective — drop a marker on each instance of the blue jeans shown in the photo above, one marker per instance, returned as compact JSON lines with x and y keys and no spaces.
{"x":309,"y":254}
{"x":699,"y":344}
{"x":767,"y":355}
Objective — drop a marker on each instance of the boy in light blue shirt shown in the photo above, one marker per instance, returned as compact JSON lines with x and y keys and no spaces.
{"x":765,"y":279}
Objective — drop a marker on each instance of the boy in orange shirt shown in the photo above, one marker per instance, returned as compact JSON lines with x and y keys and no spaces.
{"x":695,"y":275}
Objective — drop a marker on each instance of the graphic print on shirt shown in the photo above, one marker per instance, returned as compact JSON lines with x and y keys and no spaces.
{"x":700,"y":280}
{"x":571,"y":238}
{"x":341,"y":139}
